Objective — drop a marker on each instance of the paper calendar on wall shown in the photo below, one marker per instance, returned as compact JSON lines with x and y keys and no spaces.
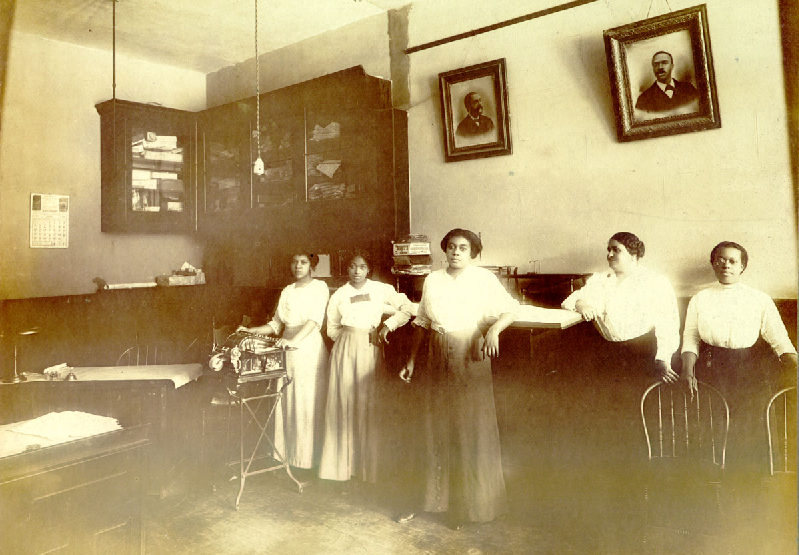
{"x":49,"y":221}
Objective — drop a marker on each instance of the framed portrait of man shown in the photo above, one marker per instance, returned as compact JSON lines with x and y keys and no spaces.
{"x":474,"y":110}
{"x":661,"y":75}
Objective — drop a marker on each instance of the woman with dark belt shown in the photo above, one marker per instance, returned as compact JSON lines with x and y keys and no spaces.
{"x":462,"y":470}
{"x":298,"y":320}
{"x":635,"y":311}
{"x":354,"y":317}
{"x":721,"y":346}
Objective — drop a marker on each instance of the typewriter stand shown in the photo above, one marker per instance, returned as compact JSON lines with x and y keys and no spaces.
{"x":259,"y":395}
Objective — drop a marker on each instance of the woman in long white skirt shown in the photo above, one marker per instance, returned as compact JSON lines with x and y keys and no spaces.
{"x":354,"y":323}
{"x":298,"y":320}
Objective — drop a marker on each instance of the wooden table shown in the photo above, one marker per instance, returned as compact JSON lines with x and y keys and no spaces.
{"x":538,"y":320}
{"x":134,"y":395}
{"x":83,"y":496}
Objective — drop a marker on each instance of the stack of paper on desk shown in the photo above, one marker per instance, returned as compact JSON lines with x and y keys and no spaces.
{"x":529,"y":313}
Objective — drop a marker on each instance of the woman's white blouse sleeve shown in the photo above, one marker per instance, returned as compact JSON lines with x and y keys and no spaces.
{"x":400,"y":303}
{"x":276,"y":323}
{"x":422,"y":317}
{"x":591,"y":292}
{"x":690,"y":335}
{"x":334,"y":316}
{"x":773,"y":329}
{"x":318,"y":303}
{"x":499,"y":300}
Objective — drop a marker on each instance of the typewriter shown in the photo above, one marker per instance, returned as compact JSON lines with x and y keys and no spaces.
{"x":249,"y":356}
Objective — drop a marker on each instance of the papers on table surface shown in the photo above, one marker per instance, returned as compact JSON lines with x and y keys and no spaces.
{"x":556,"y":317}
{"x":52,"y":429}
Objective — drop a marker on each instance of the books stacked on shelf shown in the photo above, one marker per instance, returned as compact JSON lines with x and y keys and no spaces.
{"x":412,"y":256}
{"x":145,"y":200}
{"x":156,"y":152}
{"x":331,"y":131}
{"x":328,"y":191}
{"x":155,"y":191}
{"x":325,"y":191}
{"x":218,"y":153}
{"x":172,"y":194}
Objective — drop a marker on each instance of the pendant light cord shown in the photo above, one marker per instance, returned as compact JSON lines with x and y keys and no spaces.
{"x":257,"y":87}
{"x":114,"y":74}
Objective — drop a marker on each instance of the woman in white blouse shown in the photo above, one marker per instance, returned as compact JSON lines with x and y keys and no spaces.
{"x":729,"y":317}
{"x":634,"y":309}
{"x":462,"y":468}
{"x":298,"y":320}
{"x":354,"y":317}
{"x":723,"y":326}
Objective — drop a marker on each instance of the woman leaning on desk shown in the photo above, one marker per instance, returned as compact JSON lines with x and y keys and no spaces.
{"x":462,"y":470}
{"x":354,"y":324}
{"x":298,"y":320}
{"x":723,"y":326}
{"x":635,"y":311}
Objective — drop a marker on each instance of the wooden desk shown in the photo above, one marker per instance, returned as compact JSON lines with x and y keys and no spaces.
{"x":134,"y":395}
{"x":547,"y":290}
{"x":538,"y":320}
{"x":82,"y":496}
{"x":534,"y":317}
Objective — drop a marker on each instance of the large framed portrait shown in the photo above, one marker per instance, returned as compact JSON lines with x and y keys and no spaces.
{"x":474,"y":110}
{"x":661,"y":75}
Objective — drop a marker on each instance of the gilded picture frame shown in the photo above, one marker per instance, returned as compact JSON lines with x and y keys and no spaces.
{"x":474,"y":111}
{"x":661,"y":75}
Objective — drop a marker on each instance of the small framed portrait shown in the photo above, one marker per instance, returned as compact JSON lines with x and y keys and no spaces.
{"x":661,"y":75}
{"x":474,"y":110}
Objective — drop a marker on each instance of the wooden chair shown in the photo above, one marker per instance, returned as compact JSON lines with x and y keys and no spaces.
{"x":781,"y":432}
{"x":778,"y":512}
{"x":166,"y":352}
{"x":686,"y":440}
{"x":144,"y":355}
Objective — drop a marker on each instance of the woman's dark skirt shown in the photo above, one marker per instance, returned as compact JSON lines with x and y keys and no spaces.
{"x":462,"y":465}
{"x":744,"y":377}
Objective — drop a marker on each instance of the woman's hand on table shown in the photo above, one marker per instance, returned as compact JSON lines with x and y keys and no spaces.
{"x":407,"y":371}
{"x":588,"y":312}
{"x":667,"y":374}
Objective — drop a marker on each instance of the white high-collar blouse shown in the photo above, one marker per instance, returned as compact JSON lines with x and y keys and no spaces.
{"x":734,"y":316}
{"x":451,"y":304}
{"x":630,"y":308}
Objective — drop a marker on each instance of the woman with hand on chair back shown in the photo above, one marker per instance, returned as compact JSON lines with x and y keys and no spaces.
{"x":729,"y":328}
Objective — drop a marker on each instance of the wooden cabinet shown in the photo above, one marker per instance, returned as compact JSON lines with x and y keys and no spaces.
{"x":336,"y":179}
{"x":80,"y":497}
{"x":148,"y":168}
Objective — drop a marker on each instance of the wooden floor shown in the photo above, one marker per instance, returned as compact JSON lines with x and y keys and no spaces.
{"x":562,"y":500}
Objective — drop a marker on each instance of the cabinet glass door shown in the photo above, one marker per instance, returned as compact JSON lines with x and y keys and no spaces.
{"x":158,"y":171}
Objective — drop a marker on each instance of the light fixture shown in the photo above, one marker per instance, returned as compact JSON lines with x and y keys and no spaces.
{"x":20,"y":377}
{"x":258,"y":165}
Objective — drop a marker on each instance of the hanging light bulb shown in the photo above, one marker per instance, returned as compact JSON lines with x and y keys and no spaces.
{"x":258,"y":166}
